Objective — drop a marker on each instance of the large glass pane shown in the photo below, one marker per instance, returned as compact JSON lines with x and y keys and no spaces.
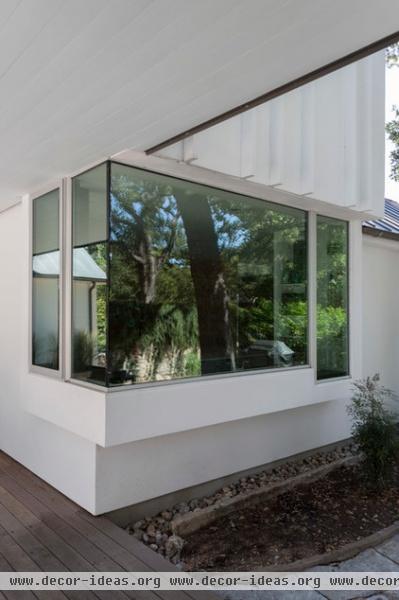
{"x":332,"y":298}
{"x":89,"y":289}
{"x":45,"y":281}
{"x":89,"y":192}
{"x":202,"y":280}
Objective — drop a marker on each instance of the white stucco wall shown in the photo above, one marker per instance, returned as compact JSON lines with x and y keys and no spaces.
{"x":187,"y":458}
{"x":381,"y":309}
{"x":106,"y":451}
{"x":62,"y":458}
{"x":130,"y":473}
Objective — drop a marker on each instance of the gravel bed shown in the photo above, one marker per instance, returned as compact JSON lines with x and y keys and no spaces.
{"x":156,"y":531}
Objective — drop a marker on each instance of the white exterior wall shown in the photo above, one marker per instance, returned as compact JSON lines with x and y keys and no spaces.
{"x":59,"y":456}
{"x":130,"y":473}
{"x":381,"y":309}
{"x":110,"y":449}
{"x":183,"y":459}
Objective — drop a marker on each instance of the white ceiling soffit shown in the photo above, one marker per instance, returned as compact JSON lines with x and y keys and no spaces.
{"x":82,"y":80}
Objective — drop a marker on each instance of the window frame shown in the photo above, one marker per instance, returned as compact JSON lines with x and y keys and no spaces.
{"x":349,"y":301}
{"x":272,"y":195}
{"x":200,"y":181}
{"x":32,"y":368}
{"x":69,"y":250}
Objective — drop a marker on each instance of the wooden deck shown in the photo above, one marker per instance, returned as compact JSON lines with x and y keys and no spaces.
{"x":42,"y":530}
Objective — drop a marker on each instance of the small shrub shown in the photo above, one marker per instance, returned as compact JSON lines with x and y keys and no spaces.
{"x":374,"y":430}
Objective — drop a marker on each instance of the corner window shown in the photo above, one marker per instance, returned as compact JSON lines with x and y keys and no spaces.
{"x":332,"y":298}
{"x":183,"y":280}
{"x":45,"y":281}
{"x":89,"y":275}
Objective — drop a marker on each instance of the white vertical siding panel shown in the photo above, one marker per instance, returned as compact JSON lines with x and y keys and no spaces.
{"x":276,"y":132}
{"x":175,"y":152}
{"x":377,"y":142}
{"x":352,"y":124}
{"x":329,"y":143}
{"x":324,"y":140}
{"x":219,"y":148}
{"x":248,"y":144}
{"x":364,"y":138}
{"x":189,"y":154}
{"x":307,"y":141}
{"x":292,"y":142}
{"x":262,"y":154}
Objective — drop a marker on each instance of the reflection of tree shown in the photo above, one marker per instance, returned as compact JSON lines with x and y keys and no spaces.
{"x":197,"y":269}
{"x":392,"y":127}
{"x":264,"y":252}
{"x":332,"y":273}
{"x":144,"y":224}
{"x":152,"y":312}
{"x":207,"y":271}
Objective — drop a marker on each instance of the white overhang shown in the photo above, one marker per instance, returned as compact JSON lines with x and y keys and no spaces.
{"x":323,"y":140}
{"x":81,"y":81}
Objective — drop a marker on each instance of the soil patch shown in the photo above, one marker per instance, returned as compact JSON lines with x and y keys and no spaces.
{"x":310,"y":519}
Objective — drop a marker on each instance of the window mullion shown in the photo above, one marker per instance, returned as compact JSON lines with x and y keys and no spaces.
{"x":312,"y":291}
{"x":67,"y":277}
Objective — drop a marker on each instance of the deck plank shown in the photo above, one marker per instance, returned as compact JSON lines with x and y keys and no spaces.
{"x":96,"y":559}
{"x":20,"y":561}
{"x":36,"y":550}
{"x":67,"y":555}
{"x":127,"y":560}
{"x":52,"y":533}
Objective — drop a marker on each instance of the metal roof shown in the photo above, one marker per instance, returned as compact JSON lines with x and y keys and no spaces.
{"x":389,"y":224}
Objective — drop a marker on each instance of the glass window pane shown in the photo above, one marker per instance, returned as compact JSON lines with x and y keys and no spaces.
{"x":45,"y":281}
{"x":89,"y":267}
{"x":46,"y":223}
{"x":89,"y":193}
{"x":202,"y":280}
{"x":332,"y":298}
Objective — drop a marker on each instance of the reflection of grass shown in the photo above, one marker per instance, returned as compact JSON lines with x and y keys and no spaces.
{"x":172,"y":333}
{"x":45,"y":351}
{"x":101,"y":312}
{"x":83,"y":350}
{"x":192,"y":366}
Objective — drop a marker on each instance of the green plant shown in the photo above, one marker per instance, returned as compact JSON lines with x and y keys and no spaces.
{"x":374,"y":430}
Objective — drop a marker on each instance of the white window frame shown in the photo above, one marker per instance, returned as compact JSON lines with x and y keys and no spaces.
{"x":349,"y":293}
{"x":54,"y":373}
{"x":220,"y":181}
{"x":248,"y":188}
